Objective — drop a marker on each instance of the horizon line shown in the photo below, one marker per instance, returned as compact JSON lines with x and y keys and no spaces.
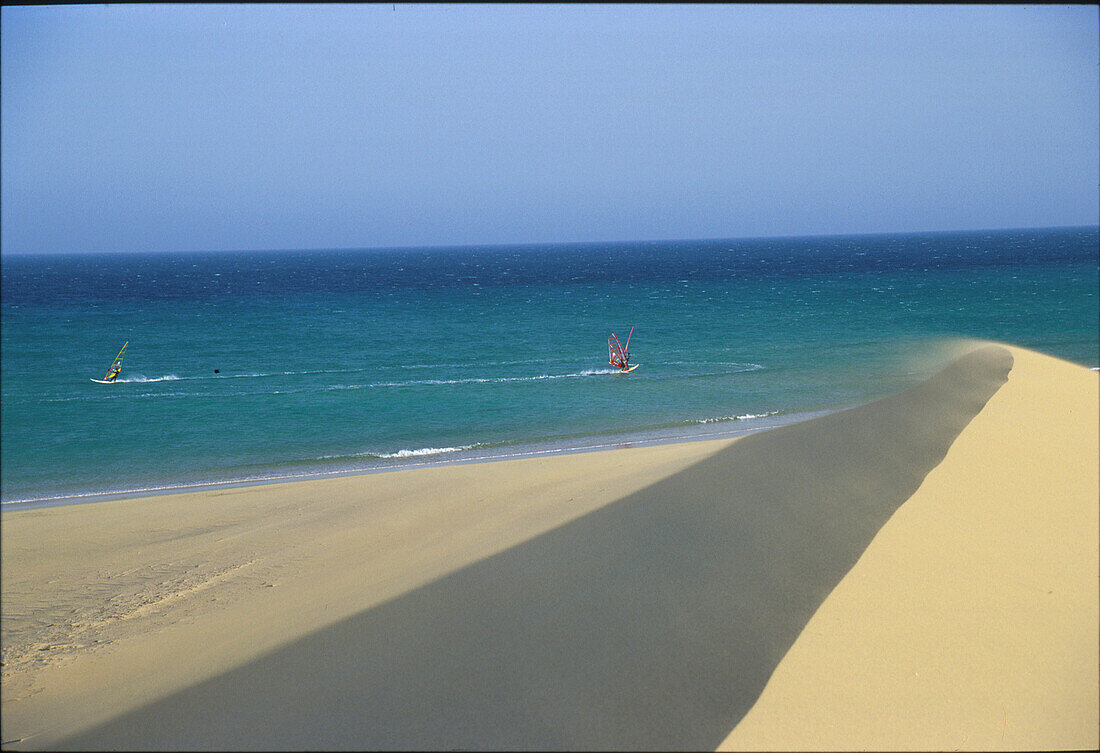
{"x":527,"y":244}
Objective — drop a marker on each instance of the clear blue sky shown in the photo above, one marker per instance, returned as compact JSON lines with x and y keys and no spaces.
{"x":185,"y":127}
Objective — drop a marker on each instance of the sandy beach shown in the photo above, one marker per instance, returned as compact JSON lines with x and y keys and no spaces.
{"x":919,"y":572}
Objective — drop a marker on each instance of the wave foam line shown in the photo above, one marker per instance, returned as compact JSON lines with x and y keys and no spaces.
{"x":745,"y":417}
{"x":314,"y":372}
{"x":480,"y":380}
{"x":627,"y":443}
{"x":423,"y":451}
{"x":144,"y":379}
{"x":371,"y":385}
{"x":254,"y":375}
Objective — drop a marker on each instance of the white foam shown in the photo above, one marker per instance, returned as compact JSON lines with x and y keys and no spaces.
{"x":423,"y":451}
{"x":482,"y":380}
{"x":739,"y":367}
{"x":743,"y":417}
{"x":143,"y":379}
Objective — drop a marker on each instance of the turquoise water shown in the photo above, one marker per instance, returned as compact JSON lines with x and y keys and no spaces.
{"x":330,"y":361}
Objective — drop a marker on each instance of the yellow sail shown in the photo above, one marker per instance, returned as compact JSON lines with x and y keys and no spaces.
{"x":116,"y":366}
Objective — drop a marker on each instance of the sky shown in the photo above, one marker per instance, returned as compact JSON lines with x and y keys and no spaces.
{"x":234,"y":127}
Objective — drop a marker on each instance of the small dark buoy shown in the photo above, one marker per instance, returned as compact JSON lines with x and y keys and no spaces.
{"x":216,"y":371}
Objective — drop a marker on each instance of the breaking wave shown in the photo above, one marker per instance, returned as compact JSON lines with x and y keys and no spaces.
{"x":744,"y":417}
{"x":423,"y":451}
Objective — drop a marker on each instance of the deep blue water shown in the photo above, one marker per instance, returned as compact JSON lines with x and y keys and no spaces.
{"x":338,"y":360}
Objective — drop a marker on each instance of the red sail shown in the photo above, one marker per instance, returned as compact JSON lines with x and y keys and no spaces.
{"x":615,"y":353}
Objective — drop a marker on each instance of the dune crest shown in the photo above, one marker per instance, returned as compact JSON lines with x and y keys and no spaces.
{"x":971,"y":621}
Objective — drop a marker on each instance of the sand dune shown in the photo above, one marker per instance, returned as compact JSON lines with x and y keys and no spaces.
{"x":972,"y":620}
{"x":654,"y":597}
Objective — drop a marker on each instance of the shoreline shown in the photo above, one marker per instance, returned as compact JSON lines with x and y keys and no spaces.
{"x":679,"y":595}
{"x":472,"y":454}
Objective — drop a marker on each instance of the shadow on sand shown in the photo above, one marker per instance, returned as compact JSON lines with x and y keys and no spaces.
{"x":653,"y":622}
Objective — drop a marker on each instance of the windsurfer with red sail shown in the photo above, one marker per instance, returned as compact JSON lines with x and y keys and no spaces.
{"x":619,"y":355}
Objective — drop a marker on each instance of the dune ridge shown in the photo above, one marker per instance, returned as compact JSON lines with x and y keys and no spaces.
{"x":972,"y":620}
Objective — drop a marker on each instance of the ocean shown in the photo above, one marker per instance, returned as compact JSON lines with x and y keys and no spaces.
{"x":273,"y":365}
